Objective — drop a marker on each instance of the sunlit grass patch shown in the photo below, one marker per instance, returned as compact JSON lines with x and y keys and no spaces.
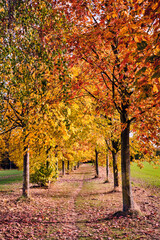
{"x":9,"y":172}
{"x":9,"y":179}
{"x":148,"y":174}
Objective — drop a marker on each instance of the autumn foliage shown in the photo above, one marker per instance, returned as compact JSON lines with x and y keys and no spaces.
{"x":76,"y":75}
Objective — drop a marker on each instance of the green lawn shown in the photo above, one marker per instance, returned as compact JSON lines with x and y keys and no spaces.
{"x":10,"y":176}
{"x":9,"y":172}
{"x":149,"y":175}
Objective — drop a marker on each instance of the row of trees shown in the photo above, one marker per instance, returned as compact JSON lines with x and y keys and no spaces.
{"x":76,"y":79}
{"x":118,"y":44}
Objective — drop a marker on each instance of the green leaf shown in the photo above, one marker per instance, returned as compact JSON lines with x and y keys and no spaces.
{"x":141,"y":45}
{"x":142,"y":70}
{"x":151,"y":59}
{"x":156,"y":74}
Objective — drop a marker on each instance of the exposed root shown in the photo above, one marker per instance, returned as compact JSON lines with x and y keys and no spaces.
{"x":106,"y":181}
{"x":134,"y":213}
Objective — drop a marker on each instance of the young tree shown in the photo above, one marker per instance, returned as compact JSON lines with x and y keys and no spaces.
{"x":32,"y":71}
{"x":110,"y":128}
{"x":117,"y":42}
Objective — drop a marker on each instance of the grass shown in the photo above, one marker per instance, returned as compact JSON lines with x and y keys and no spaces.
{"x":77,"y":206}
{"x":9,"y":172}
{"x":148,"y":174}
{"x":8,"y":178}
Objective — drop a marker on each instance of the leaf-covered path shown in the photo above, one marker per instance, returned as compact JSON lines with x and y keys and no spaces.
{"x":77,"y":206}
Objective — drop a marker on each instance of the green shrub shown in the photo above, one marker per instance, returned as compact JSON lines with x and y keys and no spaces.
{"x":43,"y":175}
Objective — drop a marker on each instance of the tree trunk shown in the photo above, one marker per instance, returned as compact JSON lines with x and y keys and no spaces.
{"x":125,"y":163}
{"x":25,"y":190}
{"x":107,"y":167}
{"x":63,"y":170}
{"x":78,"y":164}
{"x":56,"y":169}
{"x":68,"y":166}
{"x":115,"y":169}
{"x":96,"y":164}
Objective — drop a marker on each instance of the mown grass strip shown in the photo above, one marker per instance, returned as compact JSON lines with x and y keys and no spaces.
{"x":9,"y":172}
{"x":10,"y":180}
{"x":148,"y":174}
{"x":10,"y":176}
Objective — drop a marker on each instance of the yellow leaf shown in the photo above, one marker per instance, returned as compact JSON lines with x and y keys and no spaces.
{"x":124,"y":30}
{"x":108,"y":17}
{"x":65,"y":137}
{"x":1,"y":9}
{"x":154,"y":6}
{"x":69,"y":111}
{"x":33,"y":75}
{"x":155,"y":89}
{"x":136,"y":39}
{"x":114,"y":15}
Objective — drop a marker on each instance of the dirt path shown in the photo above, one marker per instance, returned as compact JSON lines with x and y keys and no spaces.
{"x":66,"y":191}
{"x":77,"y":207}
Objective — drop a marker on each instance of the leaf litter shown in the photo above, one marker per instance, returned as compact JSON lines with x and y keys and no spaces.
{"x":78,"y":206}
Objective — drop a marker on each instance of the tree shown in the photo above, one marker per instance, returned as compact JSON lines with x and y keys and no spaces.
{"x":117,"y":43}
{"x":110,"y":128}
{"x":107,"y":166}
{"x":32,"y":71}
{"x":96,"y":163}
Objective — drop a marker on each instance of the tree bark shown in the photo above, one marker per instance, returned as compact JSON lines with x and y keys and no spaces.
{"x":125,"y":162}
{"x":107,"y":167}
{"x":68,"y":166}
{"x":96,"y":164}
{"x":115,"y":169}
{"x":56,"y":169}
{"x":78,"y":164}
{"x":25,"y":190}
{"x":115,"y":149}
{"x":63,"y":170}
